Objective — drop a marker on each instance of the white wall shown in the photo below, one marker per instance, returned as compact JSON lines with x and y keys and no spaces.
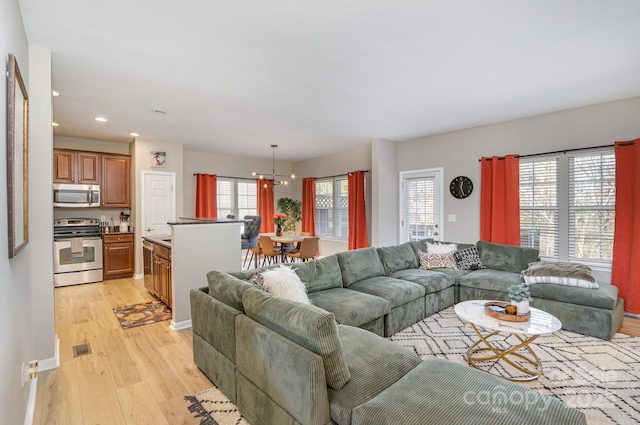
{"x":15,"y":282}
{"x":384,"y":193}
{"x":336,"y":164}
{"x":458,"y":152}
{"x":93,"y":145}
{"x":228,"y":165}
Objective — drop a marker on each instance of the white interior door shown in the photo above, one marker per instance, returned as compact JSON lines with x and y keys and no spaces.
{"x":159,"y":202}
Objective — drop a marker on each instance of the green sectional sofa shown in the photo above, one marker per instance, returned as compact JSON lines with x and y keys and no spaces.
{"x":285,"y":362}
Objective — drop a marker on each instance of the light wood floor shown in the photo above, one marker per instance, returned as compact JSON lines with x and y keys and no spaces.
{"x":134,"y":376}
{"x":138,"y":376}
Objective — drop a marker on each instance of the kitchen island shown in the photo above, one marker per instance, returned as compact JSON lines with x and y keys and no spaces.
{"x":196,"y":247}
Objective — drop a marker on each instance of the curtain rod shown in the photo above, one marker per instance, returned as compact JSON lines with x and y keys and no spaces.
{"x":337,"y":175}
{"x":564,"y":151}
{"x":227,"y":177}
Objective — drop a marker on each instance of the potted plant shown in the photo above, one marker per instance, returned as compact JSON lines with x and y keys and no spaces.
{"x":293,"y":210}
{"x":520,"y":297}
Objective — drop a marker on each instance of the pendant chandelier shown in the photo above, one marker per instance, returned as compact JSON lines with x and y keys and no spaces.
{"x":276,"y":179}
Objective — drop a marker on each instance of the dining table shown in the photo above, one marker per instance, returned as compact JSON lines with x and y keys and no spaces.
{"x":282,"y":240}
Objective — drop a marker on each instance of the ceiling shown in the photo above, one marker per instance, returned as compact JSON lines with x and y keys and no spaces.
{"x":318,"y":77}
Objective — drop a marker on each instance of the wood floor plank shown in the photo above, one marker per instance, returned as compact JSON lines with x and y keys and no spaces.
{"x":176,"y":412}
{"x":160,"y":333}
{"x":58,"y":397}
{"x":163,"y":381}
{"x":98,"y":399}
{"x":139,"y":405}
{"x":124,"y":369}
{"x":180,"y":359}
{"x":630,"y":326}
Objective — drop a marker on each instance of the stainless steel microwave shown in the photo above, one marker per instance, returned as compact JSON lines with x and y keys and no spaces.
{"x":68,"y":195}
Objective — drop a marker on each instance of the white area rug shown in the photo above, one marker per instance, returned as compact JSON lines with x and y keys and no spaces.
{"x":601,"y":378}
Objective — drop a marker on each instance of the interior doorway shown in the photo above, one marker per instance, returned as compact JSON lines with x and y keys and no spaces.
{"x":158,"y":202}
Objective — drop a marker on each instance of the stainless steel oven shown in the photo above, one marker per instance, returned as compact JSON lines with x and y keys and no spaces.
{"x":77,"y":251}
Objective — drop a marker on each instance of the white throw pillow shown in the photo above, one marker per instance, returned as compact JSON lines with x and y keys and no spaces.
{"x":283,"y":282}
{"x":441,"y":248}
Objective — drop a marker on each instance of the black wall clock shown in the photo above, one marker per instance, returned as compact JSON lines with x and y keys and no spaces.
{"x":461,"y":187}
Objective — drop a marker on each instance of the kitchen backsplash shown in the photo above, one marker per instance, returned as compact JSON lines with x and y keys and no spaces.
{"x":101,"y":214}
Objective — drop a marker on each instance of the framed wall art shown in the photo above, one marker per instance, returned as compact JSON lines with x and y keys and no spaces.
{"x":17,"y":159}
{"x":158,"y":159}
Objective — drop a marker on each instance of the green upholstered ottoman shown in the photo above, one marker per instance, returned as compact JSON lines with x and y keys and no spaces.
{"x":440,"y":392}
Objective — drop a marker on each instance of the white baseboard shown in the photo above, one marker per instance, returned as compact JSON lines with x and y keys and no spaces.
{"x":31,"y":403}
{"x":186,"y":324}
{"x":138,"y":276}
{"x":52,"y":362}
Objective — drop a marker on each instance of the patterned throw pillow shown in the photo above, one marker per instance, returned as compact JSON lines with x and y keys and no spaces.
{"x":257,"y":280}
{"x":468,"y":259}
{"x":436,"y":261}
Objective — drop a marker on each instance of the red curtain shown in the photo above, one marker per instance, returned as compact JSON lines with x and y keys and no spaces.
{"x":500,"y":200}
{"x":206,"y":196}
{"x":309,"y":205}
{"x":625,"y":267}
{"x":357,"y":211}
{"x":265,"y":205}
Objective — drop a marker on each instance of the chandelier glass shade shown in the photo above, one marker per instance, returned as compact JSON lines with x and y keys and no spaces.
{"x":273,"y":178}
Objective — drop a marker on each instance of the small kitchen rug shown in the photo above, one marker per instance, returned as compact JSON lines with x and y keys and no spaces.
{"x":131,"y":316}
{"x":214,"y":408}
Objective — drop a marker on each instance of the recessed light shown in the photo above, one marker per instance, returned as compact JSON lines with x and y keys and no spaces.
{"x":158,"y":111}
{"x":101,"y":119}
{"x":55,"y":93}
{"x":55,"y":124}
{"x":134,"y":134}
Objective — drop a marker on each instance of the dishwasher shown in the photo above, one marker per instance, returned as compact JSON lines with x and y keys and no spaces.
{"x":147,"y":262}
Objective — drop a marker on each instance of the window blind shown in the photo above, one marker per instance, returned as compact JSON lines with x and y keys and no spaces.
{"x":419,"y":220}
{"x":591,"y":206}
{"x":539,"y":206}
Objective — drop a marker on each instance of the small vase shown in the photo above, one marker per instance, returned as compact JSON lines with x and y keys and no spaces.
{"x":278,"y":230}
{"x":522,"y":306}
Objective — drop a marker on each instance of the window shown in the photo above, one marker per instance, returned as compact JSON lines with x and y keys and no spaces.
{"x":236,"y":197}
{"x":332,"y":203}
{"x":420,"y":203}
{"x":567,"y":206}
{"x":592,"y":194}
{"x":539,"y":207}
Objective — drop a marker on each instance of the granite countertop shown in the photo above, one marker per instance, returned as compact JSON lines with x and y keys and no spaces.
{"x":191,"y":220}
{"x":163,"y":240}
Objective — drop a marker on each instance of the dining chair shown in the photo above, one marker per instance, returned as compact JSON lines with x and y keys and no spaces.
{"x":308,"y":249}
{"x":249,"y":238}
{"x":256,"y":252}
{"x":268,"y":250}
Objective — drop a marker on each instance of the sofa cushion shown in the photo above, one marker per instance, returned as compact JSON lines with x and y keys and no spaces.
{"x":374,"y":364}
{"x":399,"y":257}
{"x":441,"y":392}
{"x":505,"y":257}
{"x":489,"y":279}
{"x":320,"y":274}
{"x":604,"y":297}
{"x":351,"y":307}
{"x":431,"y":280}
{"x":227,"y":288}
{"x":359,"y":264}
{"x":306,"y":325}
{"x":396,"y":291}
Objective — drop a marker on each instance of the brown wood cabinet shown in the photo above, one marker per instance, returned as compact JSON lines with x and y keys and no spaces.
{"x":76,"y":166}
{"x":117,"y":259}
{"x":116,"y":181}
{"x":162,"y":273}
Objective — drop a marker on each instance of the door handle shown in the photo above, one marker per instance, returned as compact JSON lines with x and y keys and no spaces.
{"x":149,"y":229}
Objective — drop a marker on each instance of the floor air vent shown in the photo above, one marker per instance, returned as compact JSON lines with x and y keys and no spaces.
{"x":81,"y":350}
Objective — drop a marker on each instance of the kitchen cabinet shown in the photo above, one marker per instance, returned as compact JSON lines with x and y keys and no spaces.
{"x":116,"y":181}
{"x":162,"y":285}
{"x":76,"y":166}
{"x":118,"y":256}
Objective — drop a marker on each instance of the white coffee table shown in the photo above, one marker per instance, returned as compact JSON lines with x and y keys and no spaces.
{"x":541,"y":323}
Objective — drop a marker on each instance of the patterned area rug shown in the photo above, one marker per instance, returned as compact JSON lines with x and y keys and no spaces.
{"x":601,"y":378}
{"x":131,"y":316}
{"x":214,"y":408}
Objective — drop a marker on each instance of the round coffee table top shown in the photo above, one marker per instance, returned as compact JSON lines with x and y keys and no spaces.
{"x":540,"y":323}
